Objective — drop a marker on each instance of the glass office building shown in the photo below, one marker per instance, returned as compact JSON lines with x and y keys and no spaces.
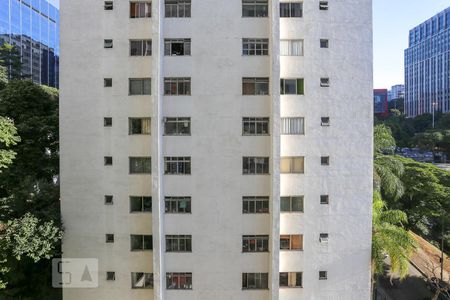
{"x":33,"y":26}
{"x":427,"y":66}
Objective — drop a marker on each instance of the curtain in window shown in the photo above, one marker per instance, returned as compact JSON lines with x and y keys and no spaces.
{"x":284,"y":48}
{"x":297,"y":242}
{"x":297,"y":47}
{"x":146,"y":126}
{"x":292,"y":125}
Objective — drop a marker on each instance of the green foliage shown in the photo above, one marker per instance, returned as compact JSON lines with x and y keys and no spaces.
{"x":388,"y":170}
{"x":8,"y":138}
{"x":391,"y":238}
{"x":11,"y":60}
{"x":428,"y":141}
{"x":30,"y":225}
{"x":3,"y":77}
{"x":383,"y":139}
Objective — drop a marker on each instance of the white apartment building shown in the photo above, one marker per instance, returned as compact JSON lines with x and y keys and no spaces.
{"x":218,"y":149}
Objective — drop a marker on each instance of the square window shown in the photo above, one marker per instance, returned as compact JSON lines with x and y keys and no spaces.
{"x":109,"y":238}
{"x":324,"y":199}
{"x":324,"y":43}
{"x":110,"y":276}
{"x":325,"y":160}
{"x":323,"y":238}
{"x":323,"y":275}
{"x":107,"y":122}
{"x":108,"y":199}
{"x":323,"y":5}
{"x":109,"y":5}
{"x":325,"y":121}
{"x":108,"y":44}
{"x":107,"y":82}
{"x":324,"y":82}
{"x":108,"y":160}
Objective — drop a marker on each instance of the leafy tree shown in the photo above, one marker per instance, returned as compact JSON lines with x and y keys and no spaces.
{"x":8,"y":138}
{"x":10,"y":58}
{"x":390,"y":237}
{"x":428,"y":140}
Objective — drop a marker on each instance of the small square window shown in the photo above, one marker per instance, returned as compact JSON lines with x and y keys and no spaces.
{"x":109,"y":238}
{"x":323,"y":238}
{"x":323,"y":275}
{"x":108,"y":44}
{"x":323,"y":5}
{"x":324,"y":43}
{"x":325,"y":121}
{"x":107,"y":122}
{"x":107,"y":82}
{"x":324,"y":82}
{"x":109,"y":5}
{"x":108,"y":160}
{"x":110,"y":276}
{"x":108,"y":199}
{"x":325,"y":160}
{"x":324,"y":199}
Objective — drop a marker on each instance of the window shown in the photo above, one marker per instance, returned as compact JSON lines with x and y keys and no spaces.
{"x":177,"y":165}
{"x":109,"y":5}
{"x":107,"y":82}
{"x":291,"y":242}
{"x":177,"y":126}
{"x":291,"y":279}
{"x":292,"y":204}
{"x":255,"y":8}
{"x":255,"y":281}
{"x":292,"y":165}
{"x":255,"y":46}
{"x":324,"y":82}
{"x":178,"y":205}
{"x":323,"y":238}
{"x":255,"y":165}
{"x":177,"y":86}
{"x":179,"y":281}
{"x":108,"y":160}
{"x":141,"y":242}
{"x":108,"y":199}
{"x":140,"y":165}
{"x":140,"y":204}
{"x":291,"y":47}
{"x":178,"y":243}
{"x":109,"y":238}
{"x":255,"y":205}
{"x":291,"y":9}
{"x":323,"y":5}
{"x":140,"y":9}
{"x":324,"y":43}
{"x":108,"y":44}
{"x":325,"y":160}
{"x":178,"y":8}
{"x":140,"y":86}
{"x":140,"y":47}
{"x":292,"y":86}
{"x":107,"y":122}
{"x":141,"y":280}
{"x":325,"y":121}
{"x":294,"y":125}
{"x":323,"y":275}
{"x":255,"y":126}
{"x":177,"y":47}
{"x":324,"y":199}
{"x":255,"y":86}
{"x":110,"y":276}
{"x":255,"y":243}
{"x":139,"y":126}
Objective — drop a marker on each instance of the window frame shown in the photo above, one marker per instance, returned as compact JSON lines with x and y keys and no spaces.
{"x":109,"y":238}
{"x":323,"y":197}
{"x":255,"y":47}
{"x":291,"y":247}
{"x":146,"y":277}
{"x":324,"y":82}
{"x":107,"y":82}
{"x":299,"y":86}
{"x":290,"y":47}
{"x":145,"y":47}
{"x":289,"y":124}
{"x":174,"y":205}
{"x":109,"y":199}
{"x":143,"y":242}
{"x":187,"y":7}
{"x":258,"y":167}
{"x":258,"y":123}
{"x":168,"y":44}
{"x":108,"y":43}
{"x":260,"y":280}
{"x":259,"y":243}
{"x":291,"y":9}
{"x":139,"y":5}
{"x":179,"y":124}
{"x":293,"y":163}
{"x":183,"y":243}
{"x":143,"y":126}
{"x":182,"y":86}
{"x":324,"y":43}
{"x":259,"y":85}
{"x":142,"y":199}
{"x":323,"y":275}
{"x":180,"y":164}
{"x":291,"y":204}
{"x":108,"y":5}
{"x":247,"y":202}
{"x":143,"y":82}
{"x":257,"y":7}
{"x":107,"y":122}
{"x":142,"y":158}
{"x":324,"y":160}
{"x":325,"y":121}
{"x":185,"y":276}
{"x":289,"y":278}
{"x":110,"y":276}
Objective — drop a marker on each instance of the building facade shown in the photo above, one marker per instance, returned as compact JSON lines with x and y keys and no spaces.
{"x":397,"y":92}
{"x":218,"y":149}
{"x":33,"y":26}
{"x":380,"y":102}
{"x":427,"y":66}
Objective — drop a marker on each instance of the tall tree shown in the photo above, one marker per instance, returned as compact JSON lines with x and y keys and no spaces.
{"x":10,"y":58}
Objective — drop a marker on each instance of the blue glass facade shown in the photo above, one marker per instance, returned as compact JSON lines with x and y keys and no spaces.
{"x":33,"y":26}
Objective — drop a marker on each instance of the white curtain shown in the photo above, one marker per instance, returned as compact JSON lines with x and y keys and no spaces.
{"x":292,"y":126}
{"x":284,"y":48}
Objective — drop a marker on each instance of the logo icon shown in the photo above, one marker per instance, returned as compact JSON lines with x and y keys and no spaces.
{"x":75,"y":273}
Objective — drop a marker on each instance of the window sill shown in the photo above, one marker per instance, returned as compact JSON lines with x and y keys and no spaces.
{"x":178,"y":213}
{"x":177,"y":135}
{"x":140,"y":212}
{"x":131,"y":250}
{"x":178,"y":252}
{"x":293,"y":250}
{"x":255,"y":174}
{"x":291,"y":287}
{"x":255,"y":289}
{"x":263,"y":134}
{"x":292,"y":212}
{"x":254,"y":252}
{"x":177,"y":174}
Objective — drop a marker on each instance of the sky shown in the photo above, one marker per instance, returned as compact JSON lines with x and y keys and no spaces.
{"x":392,"y":20}
{"x":55,"y":3}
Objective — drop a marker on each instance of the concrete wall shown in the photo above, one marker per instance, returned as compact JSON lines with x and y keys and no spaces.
{"x":216,"y":147}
